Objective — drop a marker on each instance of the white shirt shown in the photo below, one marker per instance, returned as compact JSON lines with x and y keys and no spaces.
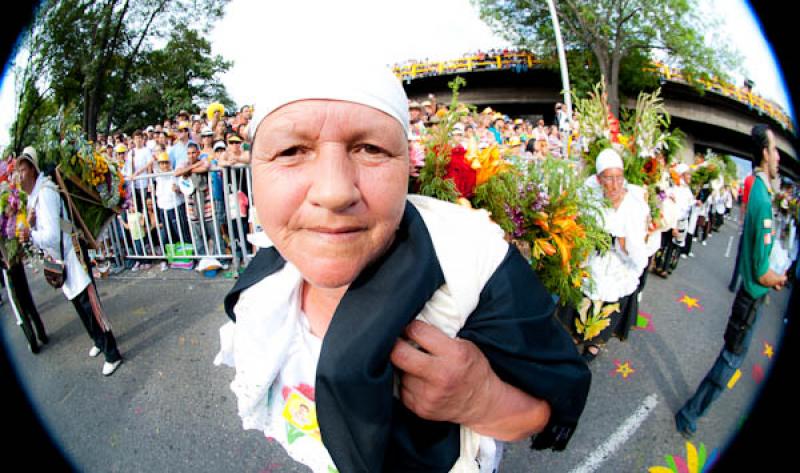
{"x":46,"y":201}
{"x":292,"y":404}
{"x":271,"y":335}
{"x":616,"y":273}
{"x":138,"y":159}
{"x":166,"y":197}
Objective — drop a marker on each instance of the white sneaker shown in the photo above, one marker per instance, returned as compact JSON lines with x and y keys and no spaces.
{"x":94,"y":351}
{"x":683,"y":256}
{"x":704,"y":243}
{"x":137,"y":265}
{"x":164,"y":266}
{"x":691,"y":254}
{"x":109,"y":368}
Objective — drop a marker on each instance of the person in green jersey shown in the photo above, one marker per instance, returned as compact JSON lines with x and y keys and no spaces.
{"x":757,"y":279}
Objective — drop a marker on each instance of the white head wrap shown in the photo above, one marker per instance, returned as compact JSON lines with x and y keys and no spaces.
{"x":368,"y":84}
{"x":608,"y":159}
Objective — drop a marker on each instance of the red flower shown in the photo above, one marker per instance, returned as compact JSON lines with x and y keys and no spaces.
{"x":460,"y":171}
{"x":613,"y":127}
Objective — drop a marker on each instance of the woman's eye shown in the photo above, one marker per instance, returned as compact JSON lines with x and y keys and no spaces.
{"x":372,"y":151}
{"x":291,"y":151}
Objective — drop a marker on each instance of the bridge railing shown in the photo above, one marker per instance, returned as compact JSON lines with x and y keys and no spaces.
{"x":523,"y":60}
{"x":519,"y":60}
{"x":718,"y":86}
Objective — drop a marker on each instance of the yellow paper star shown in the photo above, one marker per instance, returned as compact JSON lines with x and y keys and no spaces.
{"x":625,"y":369}
{"x":768,"y":350}
{"x":690,"y":302}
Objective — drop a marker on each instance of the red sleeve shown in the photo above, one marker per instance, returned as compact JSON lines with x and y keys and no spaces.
{"x":748,"y":183}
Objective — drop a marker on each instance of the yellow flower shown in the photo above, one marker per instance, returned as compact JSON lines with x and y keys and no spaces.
{"x":490,"y":162}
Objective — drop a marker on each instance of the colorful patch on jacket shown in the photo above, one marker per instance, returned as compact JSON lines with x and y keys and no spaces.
{"x":300,"y":412}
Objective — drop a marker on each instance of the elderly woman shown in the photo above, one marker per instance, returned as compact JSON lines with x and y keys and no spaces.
{"x":614,"y":276}
{"x":329,"y":358}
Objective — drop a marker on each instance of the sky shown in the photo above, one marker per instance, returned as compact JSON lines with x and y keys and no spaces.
{"x":257,"y":35}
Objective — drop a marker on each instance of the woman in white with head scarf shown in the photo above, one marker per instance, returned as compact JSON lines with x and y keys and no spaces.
{"x":323,"y":317}
{"x":614,"y":276}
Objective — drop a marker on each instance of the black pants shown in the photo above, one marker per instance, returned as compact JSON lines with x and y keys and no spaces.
{"x":743,"y":316}
{"x":669,"y":253}
{"x":687,"y":247}
{"x":104,"y":340}
{"x":703,"y":228}
{"x":27,"y":308}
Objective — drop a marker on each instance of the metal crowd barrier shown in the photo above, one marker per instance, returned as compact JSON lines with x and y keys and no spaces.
{"x":164,"y":227}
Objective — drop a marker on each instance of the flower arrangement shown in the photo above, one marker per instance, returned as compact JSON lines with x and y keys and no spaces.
{"x":95,"y":184}
{"x":545,"y":210}
{"x":642,"y":139}
{"x":589,"y":325}
{"x":541,"y":205}
{"x":446,"y":174}
{"x":13,"y":214}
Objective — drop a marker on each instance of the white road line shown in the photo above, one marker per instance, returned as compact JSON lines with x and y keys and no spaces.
{"x":728,"y":250}
{"x":618,"y":438}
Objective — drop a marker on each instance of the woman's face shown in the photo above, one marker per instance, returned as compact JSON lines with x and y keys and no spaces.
{"x":330,"y":180}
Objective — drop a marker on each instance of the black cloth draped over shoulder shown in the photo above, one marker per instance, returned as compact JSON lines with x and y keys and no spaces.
{"x":363,"y":426}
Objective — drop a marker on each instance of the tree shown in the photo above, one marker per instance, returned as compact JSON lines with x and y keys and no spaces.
{"x":91,"y":48}
{"x":614,"y":31}
{"x":176,"y":77}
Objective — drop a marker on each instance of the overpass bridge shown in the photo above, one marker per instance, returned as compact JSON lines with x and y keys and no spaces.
{"x":713,"y":115}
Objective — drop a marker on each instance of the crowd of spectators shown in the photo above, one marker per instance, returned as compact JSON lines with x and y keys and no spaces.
{"x":174,"y":176}
{"x":534,"y":138}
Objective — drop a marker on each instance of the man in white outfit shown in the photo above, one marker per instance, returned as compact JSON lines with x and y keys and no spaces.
{"x":46,"y":213}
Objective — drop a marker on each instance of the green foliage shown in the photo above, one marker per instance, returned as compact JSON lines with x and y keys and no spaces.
{"x":647,"y":124}
{"x":88,"y":53}
{"x":729,"y":169}
{"x":181,"y":76}
{"x":493,"y":196}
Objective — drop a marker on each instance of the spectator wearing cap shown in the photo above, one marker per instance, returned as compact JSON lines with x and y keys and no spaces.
{"x":169,"y":201}
{"x":198,"y":200}
{"x":216,"y":160}
{"x":415,"y":112}
{"x":234,"y":153}
{"x":120,"y":152}
{"x":178,"y":153}
{"x":237,"y":181}
{"x":183,"y":116}
{"x":206,"y":142}
{"x":151,"y":141}
{"x":428,"y":110}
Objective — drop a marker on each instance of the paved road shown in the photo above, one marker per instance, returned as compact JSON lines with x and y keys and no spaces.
{"x":168,"y":409}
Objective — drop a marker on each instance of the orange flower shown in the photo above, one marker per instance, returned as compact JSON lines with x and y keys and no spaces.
{"x":488,"y":163}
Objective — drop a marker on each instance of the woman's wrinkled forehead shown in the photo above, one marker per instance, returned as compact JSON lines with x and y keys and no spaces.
{"x":328,"y":120}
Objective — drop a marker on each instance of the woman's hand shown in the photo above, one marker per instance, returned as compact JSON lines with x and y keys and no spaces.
{"x":451,"y":380}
